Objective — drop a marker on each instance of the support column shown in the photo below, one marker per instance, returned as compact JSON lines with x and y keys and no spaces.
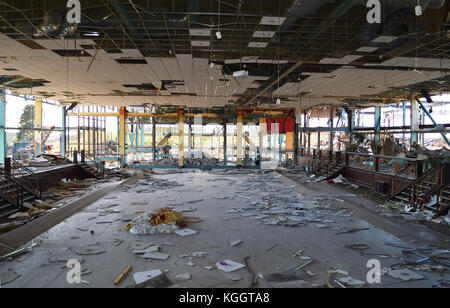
{"x":190,"y":141}
{"x":154,"y":138}
{"x":181,"y":137}
{"x":351,"y":123}
{"x":240,"y":128}
{"x":404,"y":121}
{"x":415,"y":121}
{"x":122,"y":136}
{"x":426,"y":112}
{"x":225,"y":145}
{"x":38,"y":125}
{"x":63,"y":133}
{"x":331,"y":148}
{"x":3,"y":144}
{"x":297,"y":139}
{"x":142,"y":141}
{"x":377,"y":127}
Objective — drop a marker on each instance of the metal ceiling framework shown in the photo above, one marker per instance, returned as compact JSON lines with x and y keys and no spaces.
{"x":303,"y":44}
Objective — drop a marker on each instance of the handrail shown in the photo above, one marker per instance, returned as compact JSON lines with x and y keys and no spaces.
{"x":384,"y":156}
{"x":395,"y":192}
{"x":25,"y":178}
{"x":14,"y":199}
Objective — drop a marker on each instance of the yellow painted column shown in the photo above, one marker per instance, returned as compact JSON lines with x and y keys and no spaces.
{"x":290,"y":141}
{"x":38,"y":125}
{"x":240,"y":128}
{"x":181,"y":137}
{"x":122,"y":118}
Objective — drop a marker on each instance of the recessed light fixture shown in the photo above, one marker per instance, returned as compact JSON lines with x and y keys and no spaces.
{"x":200,"y":32}
{"x":385,"y":39}
{"x":96,"y":34}
{"x":257,"y":45}
{"x":273,"y":21}
{"x":240,"y":74}
{"x":200,"y":43}
{"x":264,"y":34}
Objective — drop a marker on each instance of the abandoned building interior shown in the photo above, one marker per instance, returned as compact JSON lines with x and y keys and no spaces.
{"x":224,"y":144}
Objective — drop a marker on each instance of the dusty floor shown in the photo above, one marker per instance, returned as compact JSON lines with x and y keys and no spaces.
{"x":269,"y":247}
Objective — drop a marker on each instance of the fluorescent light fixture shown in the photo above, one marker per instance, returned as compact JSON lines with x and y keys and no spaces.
{"x":385,"y":39}
{"x":257,"y":45}
{"x":367,"y":49}
{"x":92,"y":34}
{"x":200,"y":32}
{"x":240,"y":74}
{"x":200,"y":43}
{"x":272,"y":21}
{"x":264,"y":34}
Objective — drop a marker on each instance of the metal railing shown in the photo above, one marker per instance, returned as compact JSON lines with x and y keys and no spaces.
{"x":10,"y":189}
{"x":27,"y":178}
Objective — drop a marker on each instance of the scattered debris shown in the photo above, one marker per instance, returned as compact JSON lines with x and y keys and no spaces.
{"x":229,"y":266}
{"x":183,"y":277}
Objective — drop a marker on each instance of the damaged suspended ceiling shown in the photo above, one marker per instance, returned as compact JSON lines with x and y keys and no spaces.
{"x":307,"y":53}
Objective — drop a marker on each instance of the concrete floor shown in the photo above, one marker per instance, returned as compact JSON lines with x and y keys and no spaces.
{"x":41,"y":267}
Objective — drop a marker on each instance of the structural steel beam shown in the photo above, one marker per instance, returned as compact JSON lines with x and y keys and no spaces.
{"x":181,"y":138}
{"x":63,"y":133}
{"x":377,"y":123}
{"x":432,"y":120}
{"x":122,"y":136}
{"x":240,"y":128}
{"x":38,"y":125}
{"x":415,"y":121}
{"x":3,"y":144}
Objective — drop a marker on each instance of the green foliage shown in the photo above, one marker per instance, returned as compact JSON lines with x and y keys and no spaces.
{"x":26,"y":121}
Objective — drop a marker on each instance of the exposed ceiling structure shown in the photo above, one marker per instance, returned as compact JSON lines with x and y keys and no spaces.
{"x":214,"y":53}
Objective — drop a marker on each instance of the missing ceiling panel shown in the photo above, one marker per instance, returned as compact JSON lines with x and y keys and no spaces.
{"x":143,"y":87}
{"x":89,"y":47}
{"x":31,"y":44}
{"x":131,"y":61}
{"x":72,"y":53}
